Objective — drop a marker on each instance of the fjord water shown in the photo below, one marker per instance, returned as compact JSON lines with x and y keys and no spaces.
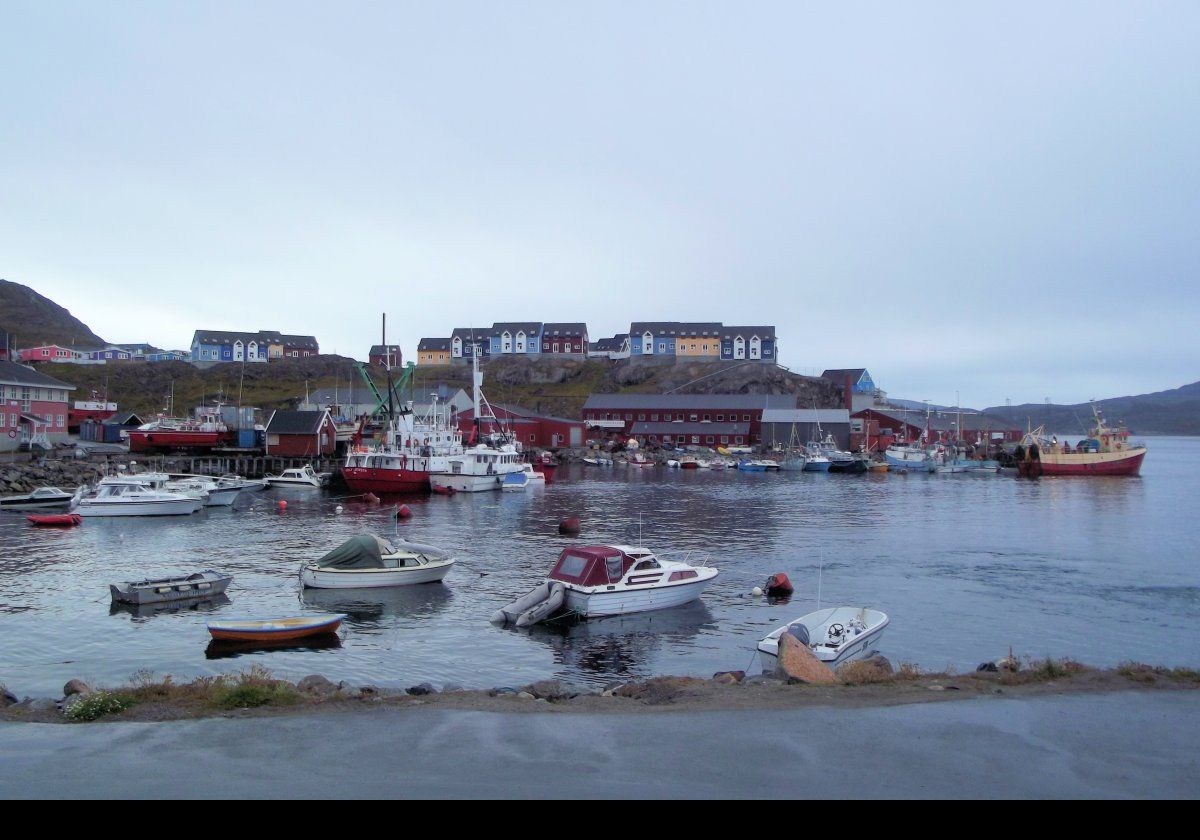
{"x":1101,"y":570}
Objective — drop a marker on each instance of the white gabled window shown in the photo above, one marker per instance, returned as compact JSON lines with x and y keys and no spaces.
{"x":457,"y":348}
{"x":506,"y":341}
{"x":648,"y":343}
{"x":755,"y":348}
{"x":739,"y":348}
{"x":521,"y":341}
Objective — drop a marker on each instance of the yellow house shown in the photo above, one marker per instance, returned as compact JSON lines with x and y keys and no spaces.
{"x":699,"y":343}
{"x":433,"y":351}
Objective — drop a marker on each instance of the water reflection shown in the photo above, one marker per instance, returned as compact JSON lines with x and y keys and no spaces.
{"x":224,"y":649}
{"x":372,"y":608}
{"x":208,"y":604}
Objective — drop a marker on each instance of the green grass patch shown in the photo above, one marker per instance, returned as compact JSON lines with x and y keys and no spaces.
{"x":96,"y":705}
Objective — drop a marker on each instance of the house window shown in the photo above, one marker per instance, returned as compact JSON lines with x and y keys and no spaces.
{"x":746,"y":417}
{"x":724,"y":438}
{"x":653,"y":417}
{"x":62,"y":421}
{"x":641,"y":418}
{"x":667,"y":417}
{"x":720,"y":417}
{"x":532,"y":438}
{"x":737,"y":439}
{"x":707,"y":418}
{"x":662,"y":348}
{"x":694,"y":417}
{"x":695,"y":438}
{"x":709,"y":439}
{"x":628,"y":416}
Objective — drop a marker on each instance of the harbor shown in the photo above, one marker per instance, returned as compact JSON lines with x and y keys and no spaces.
{"x":1091,"y":569}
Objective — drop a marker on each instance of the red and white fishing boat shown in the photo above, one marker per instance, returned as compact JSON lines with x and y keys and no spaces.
{"x":412,"y":449}
{"x":1106,"y":451}
{"x":166,"y":433}
{"x":93,"y":409}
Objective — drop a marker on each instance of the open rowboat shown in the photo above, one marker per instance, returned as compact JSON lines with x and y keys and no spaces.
{"x":272,"y":629}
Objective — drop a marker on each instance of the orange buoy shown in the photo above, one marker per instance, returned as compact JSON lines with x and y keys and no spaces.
{"x":403,"y":512}
{"x":570,"y":525}
{"x":283,"y":504}
{"x":778,"y":586}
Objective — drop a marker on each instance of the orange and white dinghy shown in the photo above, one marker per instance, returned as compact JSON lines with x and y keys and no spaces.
{"x":275,"y":629}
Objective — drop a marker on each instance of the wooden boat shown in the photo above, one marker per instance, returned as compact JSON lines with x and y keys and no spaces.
{"x":158,"y":591}
{"x":275,"y":629}
{"x":55,"y":520}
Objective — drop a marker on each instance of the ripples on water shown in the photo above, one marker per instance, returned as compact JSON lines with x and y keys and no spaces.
{"x":1099,"y":569}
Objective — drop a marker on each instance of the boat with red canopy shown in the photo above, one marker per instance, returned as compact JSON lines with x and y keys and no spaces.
{"x":601,"y":580}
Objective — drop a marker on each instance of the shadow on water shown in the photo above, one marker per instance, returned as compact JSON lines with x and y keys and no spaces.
{"x":221,"y":649}
{"x":211,"y":604}
{"x":367,"y":608}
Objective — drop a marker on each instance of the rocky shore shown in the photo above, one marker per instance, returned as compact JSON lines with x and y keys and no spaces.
{"x":256,"y":692}
{"x":25,"y":477}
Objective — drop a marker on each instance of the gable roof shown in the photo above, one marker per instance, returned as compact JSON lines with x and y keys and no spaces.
{"x":514,"y":327}
{"x":12,"y":373}
{"x":380,"y":350}
{"x":434,"y":344}
{"x":767,"y":333}
{"x":307,"y":341}
{"x":699,"y":329}
{"x":615,"y":343}
{"x":470,"y":333}
{"x":564,"y":329}
{"x":284,"y":422}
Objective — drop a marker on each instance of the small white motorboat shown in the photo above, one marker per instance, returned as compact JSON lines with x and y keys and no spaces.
{"x":515,"y":482}
{"x":43,"y":498}
{"x":130,"y":497}
{"x":368,"y":562}
{"x":212,"y":493}
{"x":251,"y":484}
{"x":600,"y":580}
{"x":835,"y":635}
{"x":300,"y":477}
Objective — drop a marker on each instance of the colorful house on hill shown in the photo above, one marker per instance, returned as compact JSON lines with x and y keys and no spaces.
{"x":110,"y":354}
{"x":52,"y":353}
{"x":261,"y":346}
{"x":385,"y":355}
{"x":301,"y":434}
{"x":749,"y":343}
{"x":663,"y":338}
{"x":465,"y":339}
{"x":138,"y":352}
{"x":33,"y":408}
{"x":168,"y":356}
{"x":6,"y":350}
{"x":433,"y":351}
{"x":565,"y":339}
{"x":616,"y":347}
{"x":516,"y":338}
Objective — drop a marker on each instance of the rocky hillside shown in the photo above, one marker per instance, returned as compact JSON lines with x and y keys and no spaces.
{"x":1173,"y":412}
{"x":31,"y":319}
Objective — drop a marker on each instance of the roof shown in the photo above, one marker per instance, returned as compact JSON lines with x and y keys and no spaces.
{"x":806,"y":415}
{"x":259,"y":336}
{"x":839,"y":375}
{"x":126,"y":419}
{"x":947,"y":421}
{"x":380,"y":350}
{"x":690,"y":429}
{"x":470,"y":333}
{"x":749,"y":332}
{"x":12,"y":373}
{"x":296,"y":422}
{"x":564,"y":329}
{"x":434,"y":344}
{"x":617,"y":342}
{"x":679,"y":328}
{"x":679,"y":401}
{"x":133,"y":348}
{"x":515,"y":327}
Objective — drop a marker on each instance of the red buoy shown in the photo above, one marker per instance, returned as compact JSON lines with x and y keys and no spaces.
{"x":570,"y":525}
{"x":283,"y":504}
{"x":443,"y":491}
{"x":403,"y":512}
{"x":778,"y":585}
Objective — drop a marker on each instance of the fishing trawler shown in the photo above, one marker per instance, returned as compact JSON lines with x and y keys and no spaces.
{"x":1105,"y":451}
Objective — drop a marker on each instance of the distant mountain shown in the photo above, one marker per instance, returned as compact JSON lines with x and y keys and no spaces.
{"x":1174,"y":412}
{"x":31,"y":319}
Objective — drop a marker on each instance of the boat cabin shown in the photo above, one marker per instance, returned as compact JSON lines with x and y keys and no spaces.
{"x":606,"y":565}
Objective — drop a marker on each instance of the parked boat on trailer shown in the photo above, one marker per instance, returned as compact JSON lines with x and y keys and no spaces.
{"x":835,"y":635}
{"x":204,"y":584}
{"x":600,"y":580}
{"x":369,"y":562}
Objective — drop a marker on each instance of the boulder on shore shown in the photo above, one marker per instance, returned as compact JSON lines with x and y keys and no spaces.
{"x":7,"y":698}
{"x":729,"y":677}
{"x":797,"y":664}
{"x":316,"y":684}
{"x":74,"y":687}
{"x":547,"y":690}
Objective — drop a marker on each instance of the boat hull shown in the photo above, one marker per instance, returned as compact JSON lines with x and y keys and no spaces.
{"x":55,"y":520}
{"x":315,"y":578}
{"x":467,"y":483}
{"x":596,"y":604}
{"x":1088,"y":463}
{"x":273,"y":631}
{"x":159,"y":507}
{"x":159,"y":440}
{"x":817,"y":466}
{"x":861,"y":647}
{"x":166,"y":591}
{"x":902,"y":464}
{"x":49,"y":504}
{"x":370,"y":480}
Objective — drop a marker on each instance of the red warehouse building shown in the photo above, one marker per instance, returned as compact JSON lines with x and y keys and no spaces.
{"x":718,"y":415}
{"x":531,"y":429}
{"x":301,"y":434}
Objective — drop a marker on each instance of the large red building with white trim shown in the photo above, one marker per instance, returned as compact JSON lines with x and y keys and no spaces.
{"x":33,"y":408}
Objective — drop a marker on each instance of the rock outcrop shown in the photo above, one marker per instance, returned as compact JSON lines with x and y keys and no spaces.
{"x":797,"y":664}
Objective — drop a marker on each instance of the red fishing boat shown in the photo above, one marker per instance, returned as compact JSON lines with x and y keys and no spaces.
{"x":167,"y":433}
{"x":1105,"y":451}
{"x":546,"y":464}
{"x":93,"y":409}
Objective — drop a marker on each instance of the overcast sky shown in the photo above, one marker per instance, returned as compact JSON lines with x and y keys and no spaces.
{"x":1001,"y":201}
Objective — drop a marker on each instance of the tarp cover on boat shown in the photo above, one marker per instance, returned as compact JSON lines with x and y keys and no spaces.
{"x":355,"y":553}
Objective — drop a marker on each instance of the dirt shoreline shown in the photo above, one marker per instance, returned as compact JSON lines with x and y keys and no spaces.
{"x":256,"y":694}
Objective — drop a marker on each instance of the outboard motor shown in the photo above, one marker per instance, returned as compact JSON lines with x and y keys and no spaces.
{"x":800,"y":633}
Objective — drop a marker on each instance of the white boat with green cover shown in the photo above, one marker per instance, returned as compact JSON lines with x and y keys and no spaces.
{"x":368,"y":562}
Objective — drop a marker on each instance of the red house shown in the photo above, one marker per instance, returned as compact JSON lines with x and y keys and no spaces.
{"x":33,"y":408}
{"x":531,"y":429}
{"x":301,"y":434}
{"x":882,"y":428}
{"x":50,"y":353}
{"x":386,"y":356}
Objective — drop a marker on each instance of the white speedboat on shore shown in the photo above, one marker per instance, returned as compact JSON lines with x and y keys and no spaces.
{"x":835,"y":635}
{"x":304,"y":476}
{"x":43,"y":498}
{"x":369,"y":562}
{"x":127,"y":496}
{"x":601,"y":580}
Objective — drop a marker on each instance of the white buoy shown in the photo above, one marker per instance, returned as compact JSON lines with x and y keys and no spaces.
{"x":756,"y":592}
{"x":338,"y":509}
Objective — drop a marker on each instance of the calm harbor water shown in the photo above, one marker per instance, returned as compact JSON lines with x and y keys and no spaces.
{"x":1102,"y":570}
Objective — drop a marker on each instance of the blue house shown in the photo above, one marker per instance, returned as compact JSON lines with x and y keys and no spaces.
{"x":110,"y":354}
{"x":168,"y":356}
{"x":463,"y":339}
{"x":749,"y":343}
{"x":674,"y":338}
{"x":516,"y":338}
